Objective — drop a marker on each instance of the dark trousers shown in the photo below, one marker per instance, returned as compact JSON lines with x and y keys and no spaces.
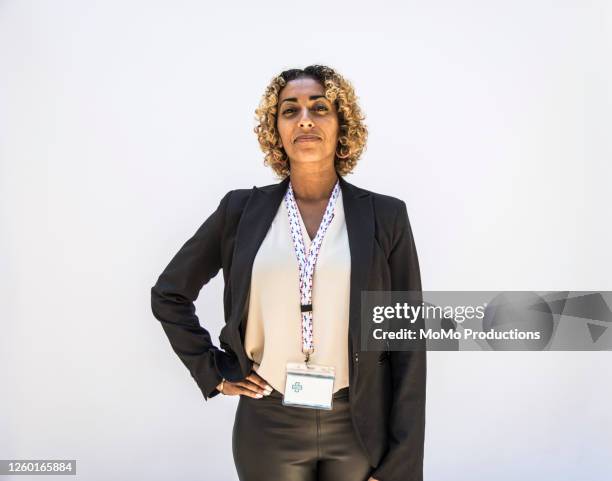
{"x":275,"y":442}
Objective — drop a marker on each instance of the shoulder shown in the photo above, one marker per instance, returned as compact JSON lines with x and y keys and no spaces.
{"x":386,"y":207}
{"x":237,"y":198}
{"x":235,"y":201}
{"x":391,"y":218}
{"x":389,"y":211}
{"x":388,"y":202}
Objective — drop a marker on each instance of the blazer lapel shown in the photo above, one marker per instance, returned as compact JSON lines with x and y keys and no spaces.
{"x":359,"y":214}
{"x":254,"y":224}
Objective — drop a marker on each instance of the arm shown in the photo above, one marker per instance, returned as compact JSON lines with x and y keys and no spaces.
{"x":178,"y":286}
{"x":404,"y":460}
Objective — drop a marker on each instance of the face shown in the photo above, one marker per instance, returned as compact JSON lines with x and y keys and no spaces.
{"x":307,"y":122}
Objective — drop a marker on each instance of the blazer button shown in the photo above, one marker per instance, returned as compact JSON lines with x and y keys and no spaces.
{"x":356,"y":357}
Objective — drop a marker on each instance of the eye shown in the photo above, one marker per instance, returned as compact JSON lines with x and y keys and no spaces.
{"x":288,"y":110}
{"x":321,"y":106}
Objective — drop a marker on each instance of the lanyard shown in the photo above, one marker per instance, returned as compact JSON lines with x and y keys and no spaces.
{"x":308,"y":260}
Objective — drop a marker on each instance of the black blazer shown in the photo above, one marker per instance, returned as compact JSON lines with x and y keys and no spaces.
{"x":387,"y":390}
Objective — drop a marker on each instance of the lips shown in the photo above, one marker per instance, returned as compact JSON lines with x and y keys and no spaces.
{"x":307,"y":138}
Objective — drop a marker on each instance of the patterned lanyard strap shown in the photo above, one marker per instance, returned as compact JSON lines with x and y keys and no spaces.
{"x":307,"y":261}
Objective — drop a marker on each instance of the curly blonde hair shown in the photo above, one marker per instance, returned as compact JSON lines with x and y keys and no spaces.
{"x":352,"y":135}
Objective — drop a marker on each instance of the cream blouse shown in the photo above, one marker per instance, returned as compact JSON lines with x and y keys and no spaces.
{"x":273,"y":330}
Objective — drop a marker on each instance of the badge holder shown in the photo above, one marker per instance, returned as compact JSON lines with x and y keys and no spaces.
{"x":309,"y":386}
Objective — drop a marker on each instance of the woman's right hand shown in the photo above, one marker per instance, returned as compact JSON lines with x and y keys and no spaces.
{"x":253,"y":386}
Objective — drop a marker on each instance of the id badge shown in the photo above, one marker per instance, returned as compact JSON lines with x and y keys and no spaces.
{"x":309,"y":386}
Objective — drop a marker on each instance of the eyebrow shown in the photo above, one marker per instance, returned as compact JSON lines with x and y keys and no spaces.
{"x":294,"y":99}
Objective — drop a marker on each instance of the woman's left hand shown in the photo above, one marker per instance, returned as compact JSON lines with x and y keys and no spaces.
{"x":372,"y":479}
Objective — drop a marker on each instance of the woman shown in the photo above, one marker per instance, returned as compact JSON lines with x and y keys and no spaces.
{"x":295,"y":257}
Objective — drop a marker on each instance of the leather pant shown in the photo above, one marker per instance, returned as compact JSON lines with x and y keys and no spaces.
{"x":286,"y":443}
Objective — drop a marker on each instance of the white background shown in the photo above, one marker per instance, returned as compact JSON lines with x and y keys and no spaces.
{"x":123,"y":123}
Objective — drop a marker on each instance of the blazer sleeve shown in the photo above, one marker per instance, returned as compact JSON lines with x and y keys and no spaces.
{"x":404,"y":459}
{"x":178,"y":286}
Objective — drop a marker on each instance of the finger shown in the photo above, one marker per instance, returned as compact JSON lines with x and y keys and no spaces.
{"x":257,"y":379}
{"x":232,"y":389}
{"x":261,"y":384}
{"x":249,"y":393}
{"x":250,"y":386}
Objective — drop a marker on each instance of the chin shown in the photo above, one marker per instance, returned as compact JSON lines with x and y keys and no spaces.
{"x":309,"y":157}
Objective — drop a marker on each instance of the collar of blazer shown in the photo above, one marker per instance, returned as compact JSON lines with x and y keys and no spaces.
{"x":259,"y":211}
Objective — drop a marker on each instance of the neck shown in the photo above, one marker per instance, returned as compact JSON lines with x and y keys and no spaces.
{"x":311,"y":182}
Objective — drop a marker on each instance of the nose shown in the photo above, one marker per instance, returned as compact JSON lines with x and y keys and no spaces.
{"x":305,"y":120}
